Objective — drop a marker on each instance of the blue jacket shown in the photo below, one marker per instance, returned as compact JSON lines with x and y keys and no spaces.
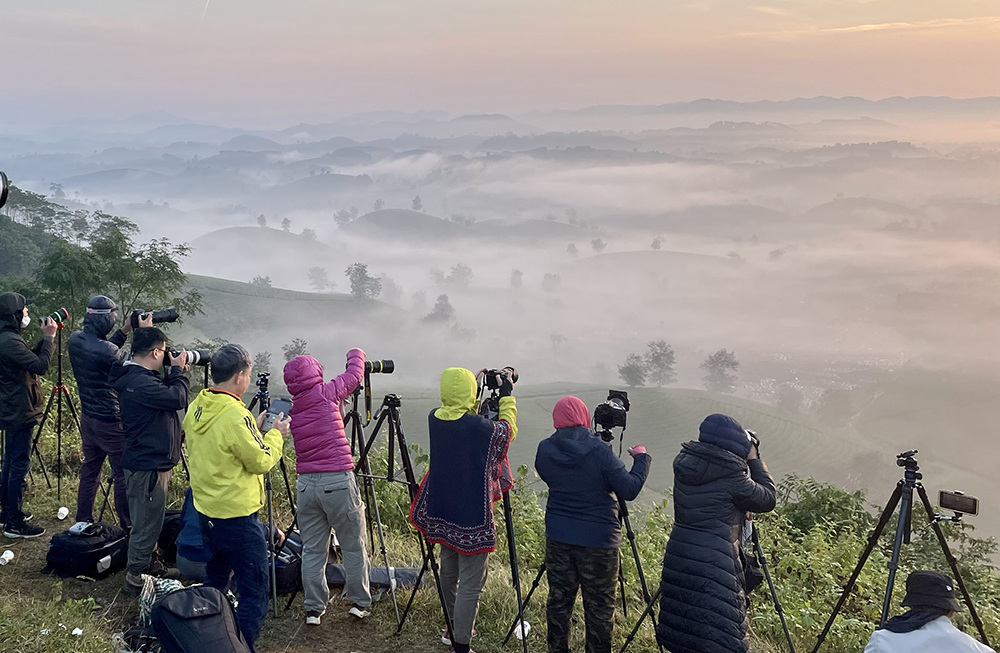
{"x":190,"y":542}
{"x":92,"y":354}
{"x":585,"y":481}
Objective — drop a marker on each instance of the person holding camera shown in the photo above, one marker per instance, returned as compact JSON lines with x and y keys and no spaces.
{"x":149,"y":402}
{"x":21,"y":407}
{"x":92,"y":354}
{"x":228,"y":457}
{"x":327,"y":490}
{"x":717,"y":481}
{"x":454,"y":506}
{"x":582,"y":524}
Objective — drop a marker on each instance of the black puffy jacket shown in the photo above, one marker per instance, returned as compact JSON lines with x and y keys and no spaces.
{"x":92,"y":354}
{"x":149,"y":405}
{"x":703,"y":607}
{"x":21,"y":399}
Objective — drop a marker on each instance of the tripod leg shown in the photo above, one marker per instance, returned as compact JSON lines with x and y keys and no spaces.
{"x":38,"y":436}
{"x":370,"y":484}
{"x":508,"y":516}
{"x":273,"y":566}
{"x":902,"y":535}
{"x":642,"y":617}
{"x":953,"y":563}
{"x":890,"y":507}
{"x":527,"y":599}
{"x":621,"y":585}
{"x":635,"y":554}
{"x":770,"y":584}
{"x":288,"y":486}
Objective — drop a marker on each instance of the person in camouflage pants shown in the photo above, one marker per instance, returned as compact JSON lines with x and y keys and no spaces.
{"x":591,"y":570}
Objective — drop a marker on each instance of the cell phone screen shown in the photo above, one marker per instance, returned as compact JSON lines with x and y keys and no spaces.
{"x":277,"y":407}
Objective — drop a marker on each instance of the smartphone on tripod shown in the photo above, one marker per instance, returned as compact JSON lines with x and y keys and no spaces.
{"x":277,"y":407}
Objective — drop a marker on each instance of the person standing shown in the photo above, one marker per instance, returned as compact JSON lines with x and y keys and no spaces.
{"x":228,"y":457}
{"x":327,"y":489}
{"x":92,"y":354}
{"x":21,"y":407}
{"x":582,"y":523}
{"x":717,"y":481}
{"x":454,"y":505}
{"x":149,"y":404}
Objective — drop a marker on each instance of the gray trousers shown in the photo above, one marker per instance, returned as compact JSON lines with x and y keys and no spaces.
{"x":331,"y":500}
{"x":147,"y":504}
{"x":462,"y":581}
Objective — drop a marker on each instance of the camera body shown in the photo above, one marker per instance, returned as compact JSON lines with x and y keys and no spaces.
{"x":166,"y":315}
{"x":613,"y":412}
{"x":494,"y":378}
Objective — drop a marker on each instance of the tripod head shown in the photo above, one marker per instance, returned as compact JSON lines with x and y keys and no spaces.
{"x":911,"y":473}
{"x":263,"y":397}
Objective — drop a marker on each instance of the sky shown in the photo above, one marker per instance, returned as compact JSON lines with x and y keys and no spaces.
{"x":268,"y":62}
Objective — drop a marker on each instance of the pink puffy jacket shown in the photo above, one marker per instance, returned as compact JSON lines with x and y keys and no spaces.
{"x":321,"y":444}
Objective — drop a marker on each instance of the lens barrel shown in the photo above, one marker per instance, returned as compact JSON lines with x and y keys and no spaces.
{"x":59,"y":316}
{"x":384,"y":366}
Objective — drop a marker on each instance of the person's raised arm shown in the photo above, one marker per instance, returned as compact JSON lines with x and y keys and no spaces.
{"x":626,"y":484}
{"x":37,"y":361}
{"x":508,"y":406}
{"x":755,"y":492}
{"x":343,"y":385}
{"x":172,"y":394}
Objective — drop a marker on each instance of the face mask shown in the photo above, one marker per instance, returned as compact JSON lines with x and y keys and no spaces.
{"x":25,"y":321}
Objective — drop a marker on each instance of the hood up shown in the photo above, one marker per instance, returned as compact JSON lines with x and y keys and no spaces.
{"x":458,"y":394}
{"x":302,"y":373}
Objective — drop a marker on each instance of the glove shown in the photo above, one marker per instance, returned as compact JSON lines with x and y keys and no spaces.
{"x":506,"y":385}
{"x":636,"y":450}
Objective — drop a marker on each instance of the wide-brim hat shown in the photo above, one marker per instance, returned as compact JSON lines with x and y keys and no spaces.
{"x":930,"y":589}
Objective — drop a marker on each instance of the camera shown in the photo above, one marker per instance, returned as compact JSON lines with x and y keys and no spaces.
{"x":385,"y":366}
{"x":59,"y":316}
{"x":612,"y":413}
{"x":494,"y":378}
{"x":166,"y":315}
{"x":195,"y":356}
{"x":4,"y":189}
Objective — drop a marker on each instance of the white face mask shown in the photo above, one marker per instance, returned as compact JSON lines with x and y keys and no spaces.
{"x":25,"y":321}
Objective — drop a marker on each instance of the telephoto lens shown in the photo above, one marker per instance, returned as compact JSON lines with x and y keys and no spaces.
{"x":199,"y":356}
{"x":59,"y":316}
{"x":166,"y":315}
{"x":384,"y":366}
{"x":4,"y":189}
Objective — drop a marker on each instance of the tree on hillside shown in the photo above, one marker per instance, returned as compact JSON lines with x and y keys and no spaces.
{"x":437,"y":276}
{"x":721,"y":371}
{"x":262,"y":362}
{"x":319,"y":279}
{"x":419,"y":300}
{"x":342,"y":217}
{"x":391,"y":291}
{"x":363,"y":285}
{"x":461,"y":275}
{"x":633,"y":371}
{"x":261,"y":281}
{"x":57,"y":191}
{"x":598,"y":245}
{"x":550,"y":282}
{"x":443,"y":311}
{"x":261,"y":220}
{"x":660,"y":363}
{"x":379,"y":204}
{"x":657,"y":243}
{"x":571,"y":250}
{"x":297,"y":347}
{"x":417,"y":204}
{"x":516,"y":278}
{"x":286,"y":225}
{"x":309,"y":234}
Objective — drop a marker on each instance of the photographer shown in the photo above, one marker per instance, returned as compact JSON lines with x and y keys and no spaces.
{"x":149,"y":403}
{"x":582,"y":524}
{"x":717,"y":480}
{"x":454,"y":506}
{"x":228,"y":459}
{"x":328,"y":494}
{"x":92,"y":354}
{"x":21,"y":406}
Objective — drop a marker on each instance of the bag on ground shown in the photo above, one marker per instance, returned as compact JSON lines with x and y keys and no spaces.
{"x":197,"y":619}
{"x":91,"y":550}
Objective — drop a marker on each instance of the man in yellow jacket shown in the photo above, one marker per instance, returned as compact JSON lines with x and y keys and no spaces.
{"x":228,"y":457}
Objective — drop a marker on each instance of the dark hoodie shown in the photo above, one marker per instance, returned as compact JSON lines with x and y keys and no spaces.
{"x":149,"y":404}
{"x":585,"y":481}
{"x":92,"y":355}
{"x":703,"y":604}
{"x":21,"y":398}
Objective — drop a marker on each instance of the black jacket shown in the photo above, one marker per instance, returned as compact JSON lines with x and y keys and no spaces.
{"x":703,"y":608}
{"x":585,"y":481}
{"x":92,"y":354}
{"x":21,"y":400}
{"x":149,"y":405}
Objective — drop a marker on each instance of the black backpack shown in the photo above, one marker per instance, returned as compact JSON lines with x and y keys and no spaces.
{"x":197,"y":619}
{"x":98,"y":551}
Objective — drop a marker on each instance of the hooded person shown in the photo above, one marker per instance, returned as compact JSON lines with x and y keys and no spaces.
{"x":454,"y":505}
{"x":92,"y":354}
{"x":582,"y":522}
{"x":717,"y":480}
{"x":21,"y":406}
{"x":926,"y":627}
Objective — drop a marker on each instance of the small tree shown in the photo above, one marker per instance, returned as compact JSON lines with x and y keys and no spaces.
{"x":362,"y":284}
{"x":342,"y":217}
{"x":657,"y":243}
{"x":443,"y":311}
{"x":461,"y":275}
{"x":550,"y":282}
{"x":319,"y":279}
{"x":598,"y":245}
{"x":261,"y":281}
{"x":516,"y":278}
{"x":297,"y":347}
{"x":391,"y":291}
{"x":721,"y":371}
{"x":379,"y":204}
{"x":261,"y":220}
{"x":309,"y":234}
{"x":571,"y":250}
{"x":262,"y":362}
{"x":633,"y":372}
{"x":417,"y":204}
{"x":437,"y":276}
{"x":660,"y":363}
{"x":286,"y":225}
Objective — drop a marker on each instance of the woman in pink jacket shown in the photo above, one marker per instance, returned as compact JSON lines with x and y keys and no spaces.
{"x":328,"y":494}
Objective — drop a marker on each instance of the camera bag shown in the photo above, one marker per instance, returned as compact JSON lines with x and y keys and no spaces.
{"x":197,"y":619}
{"x":96,"y":551}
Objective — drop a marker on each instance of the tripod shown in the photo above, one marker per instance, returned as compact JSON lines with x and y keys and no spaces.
{"x":903,"y":496}
{"x":59,"y":393}
{"x":770,"y":584}
{"x":388,"y":413}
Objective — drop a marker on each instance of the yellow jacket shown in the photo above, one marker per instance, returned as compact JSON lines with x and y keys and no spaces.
{"x":227,"y":455}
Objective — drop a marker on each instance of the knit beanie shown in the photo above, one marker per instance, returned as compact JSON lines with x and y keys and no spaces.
{"x":724,"y":431}
{"x":570,"y":411}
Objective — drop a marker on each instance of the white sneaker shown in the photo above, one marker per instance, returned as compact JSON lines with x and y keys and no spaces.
{"x":359,"y":612}
{"x":313,"y":617}
{"x":447,"y":640}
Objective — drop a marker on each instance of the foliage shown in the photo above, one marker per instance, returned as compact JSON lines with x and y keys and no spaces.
{"x":309,"y":234}
{"x":659,"y":362}
{"x":261,"y":220}
{"x":362,"y":284}
{"x":516,"y":278}
{"x":461,"y":276}
{"x":379,"y":204}
{"x":262,"y":362}
{"x":297,"y":347}
{"x":319,"y":279}
{"x":721,"y":371}
{"x":550,"y":282}
{"x":261,"y":281}
{"x":392,"y":292}
{"x":571,"y":250}
{"x":417,"y":204}
{"x":443,"y":311}
{"x":633,"y":371}
{"x":657,"y":243}
{"x":286,"y":225}
{"x":598,"y":245}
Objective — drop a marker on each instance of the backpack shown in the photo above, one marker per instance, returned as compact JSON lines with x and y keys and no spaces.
{"x":195,"y":620}
{"x":91,"y":550}
{"x":167,"y":541}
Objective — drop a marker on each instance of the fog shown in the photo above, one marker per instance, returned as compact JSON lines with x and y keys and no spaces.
{"x":846,"y":251}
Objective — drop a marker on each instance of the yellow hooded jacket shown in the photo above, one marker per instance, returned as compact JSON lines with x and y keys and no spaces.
{"x":458,"y":397}
{"x":227,"y":455}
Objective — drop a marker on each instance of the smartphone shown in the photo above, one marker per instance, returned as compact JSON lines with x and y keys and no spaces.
{"x":958,"y":502}
{"x":277,"y":407}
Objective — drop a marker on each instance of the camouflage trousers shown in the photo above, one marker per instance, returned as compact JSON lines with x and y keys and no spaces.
{"x":594,"y":572}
